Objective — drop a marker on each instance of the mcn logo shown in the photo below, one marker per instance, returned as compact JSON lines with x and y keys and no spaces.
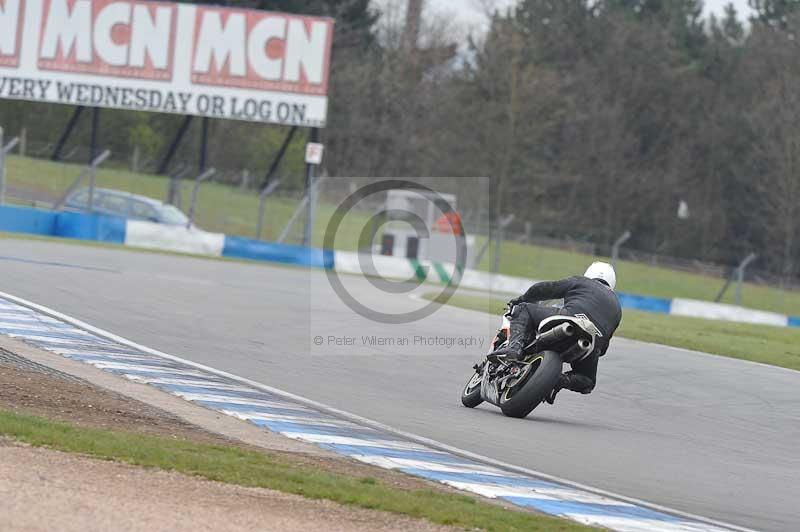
{"x":10,"y":31}
{"x":258,"y":50}
{"x":128,"y":39}
{"x":168,"y":57}
{"x":231,"y":47}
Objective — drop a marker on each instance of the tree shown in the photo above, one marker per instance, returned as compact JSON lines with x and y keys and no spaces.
{"x":770,"y":173}
{"x":773,"y":13}
{"x":556,"y":33}
{"x":731,"y":27}
{"x":684,"y":18}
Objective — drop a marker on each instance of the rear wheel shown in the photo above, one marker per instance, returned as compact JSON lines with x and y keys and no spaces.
{"x":532,"y":386}
{"x":471,"y":395}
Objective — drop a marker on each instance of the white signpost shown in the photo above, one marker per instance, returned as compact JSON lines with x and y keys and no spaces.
{"x":170,"y":58}
{"x":314,"y":153}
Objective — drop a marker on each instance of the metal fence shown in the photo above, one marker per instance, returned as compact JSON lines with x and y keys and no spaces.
{"x":231,"y":201}
{"x":227,"y":200}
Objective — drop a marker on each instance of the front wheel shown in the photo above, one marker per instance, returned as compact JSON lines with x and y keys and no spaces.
{"x":538,"y":380}
{"x":471,"y":395}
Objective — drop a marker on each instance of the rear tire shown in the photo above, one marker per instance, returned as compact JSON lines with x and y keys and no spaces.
{"x":471,"y":395}
{"x":536,"y":388}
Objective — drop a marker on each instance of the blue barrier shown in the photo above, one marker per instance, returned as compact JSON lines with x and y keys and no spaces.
{"x":113,"y":229}
{"x":64,"y":224}
{"x":246,"y":248}
{"x":97,"y":227}
{"x":27,"y":220}
{"x":646,"y":303}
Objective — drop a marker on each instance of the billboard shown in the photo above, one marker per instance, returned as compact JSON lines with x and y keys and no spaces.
{"x":164,"y":57}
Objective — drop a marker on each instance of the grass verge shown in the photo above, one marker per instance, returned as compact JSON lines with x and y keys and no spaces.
{"x":256,"y":469}
{"x":777,"y":346}
{"x":536,"y":262}
{"x":220,"y":208}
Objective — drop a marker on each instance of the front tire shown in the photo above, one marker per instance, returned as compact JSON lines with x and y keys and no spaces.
{"x":535,"y":389}
{"x":471,"y":395}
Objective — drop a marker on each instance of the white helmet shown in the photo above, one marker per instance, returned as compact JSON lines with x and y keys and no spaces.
{"x":602,"y":271}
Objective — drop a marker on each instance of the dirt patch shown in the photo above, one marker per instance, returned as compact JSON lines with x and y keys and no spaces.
{"x":42,"y":489}
{"x":77,"y":402}
{"x":65,"y":398}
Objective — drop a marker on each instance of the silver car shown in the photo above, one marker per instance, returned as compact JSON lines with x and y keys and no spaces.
{"x":126,"y":205}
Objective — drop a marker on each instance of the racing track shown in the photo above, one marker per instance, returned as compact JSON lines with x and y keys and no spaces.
{"x":702,"y":434}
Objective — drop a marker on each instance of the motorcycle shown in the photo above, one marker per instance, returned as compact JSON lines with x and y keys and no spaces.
{"x":519,"y":386}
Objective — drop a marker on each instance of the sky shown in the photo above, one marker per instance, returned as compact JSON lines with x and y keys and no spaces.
{"x":717,"y":6}
{"x":469,"y":12}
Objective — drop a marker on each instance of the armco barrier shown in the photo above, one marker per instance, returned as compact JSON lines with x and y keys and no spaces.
{"x":444,"y":273}
{"x":173,"y":238}
{"x":64,"y":224}
{"x":245,"y":248}
{"x":400,"y":268}
{"x":645,"y":303}
{"x":97,"y":227}
{"x":156,"y":236}
{"x":27,"y":220}
{"x":719,"y":311}
{"x":378,"y":265}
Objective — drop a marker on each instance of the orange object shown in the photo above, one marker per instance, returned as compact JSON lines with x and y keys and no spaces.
{"x":449,"y":222}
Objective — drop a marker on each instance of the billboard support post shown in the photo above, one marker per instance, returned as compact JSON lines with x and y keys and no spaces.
{"x":313,"y":137}
{"x":73,"y":121}
{"x":173,"y":147}
{"x":203,"y":144}
{"x":278,"y":158}
{"x":95,"y":125}
{"x":174,"y":189}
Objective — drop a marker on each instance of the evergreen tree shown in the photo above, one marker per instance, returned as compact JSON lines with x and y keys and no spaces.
{"x":684,"y":18}
{"x":773,"y":13}
{"x":557,"y":33}
{"x":731,"y":27}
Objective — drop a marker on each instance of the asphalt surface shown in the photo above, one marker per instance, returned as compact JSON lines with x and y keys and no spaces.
{"x":703,"y":434}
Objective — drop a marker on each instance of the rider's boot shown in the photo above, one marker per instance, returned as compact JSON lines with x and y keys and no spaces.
{"x":571,"y":381}
{"x":517,"y":333}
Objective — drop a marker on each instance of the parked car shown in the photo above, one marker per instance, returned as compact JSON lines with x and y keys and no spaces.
{"x":126,"y":205}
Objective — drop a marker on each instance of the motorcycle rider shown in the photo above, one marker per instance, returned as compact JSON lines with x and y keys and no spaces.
{"x":592,"y":295}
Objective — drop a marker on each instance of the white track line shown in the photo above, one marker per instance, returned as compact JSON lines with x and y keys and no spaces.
{"x":368,"y":422}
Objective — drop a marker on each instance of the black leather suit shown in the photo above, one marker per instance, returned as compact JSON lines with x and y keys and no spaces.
{"x":581,"y":296}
